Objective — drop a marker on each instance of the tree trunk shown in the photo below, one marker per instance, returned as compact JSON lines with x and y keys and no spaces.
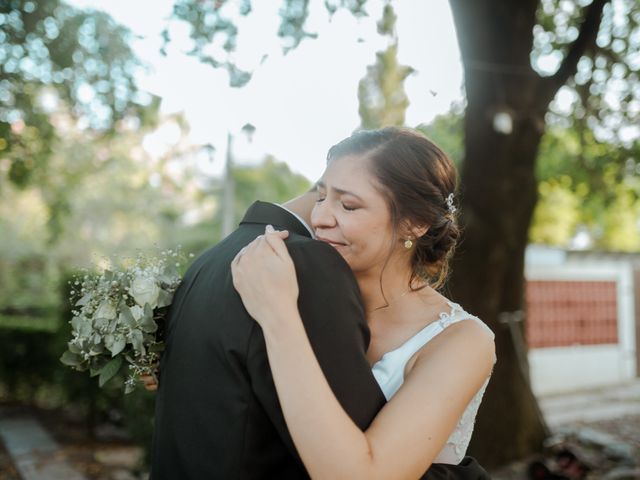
{"x":498,"y":195}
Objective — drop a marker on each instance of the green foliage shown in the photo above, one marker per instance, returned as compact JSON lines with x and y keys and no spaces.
{"x":589,"y":183}
{"x":604,"y":92}
{"x":583,"y":184}
{"x":30,"y":373}
{"x":214,"y":34}
{"x":271,"y":181}
{"x":381,"y":95}
{"x":55,"y":62}
{"x":447,"y":131}
{"x":557,"y":214}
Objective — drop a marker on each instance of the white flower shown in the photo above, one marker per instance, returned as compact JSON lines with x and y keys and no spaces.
{"x":106,"y":310}
{"x":145,"y":290}
{"x":137,"y":312}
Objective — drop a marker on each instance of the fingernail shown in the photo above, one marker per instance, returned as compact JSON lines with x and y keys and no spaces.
{"x":269,"y":229}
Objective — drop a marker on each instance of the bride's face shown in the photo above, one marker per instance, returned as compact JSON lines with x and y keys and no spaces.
{"x":352,"y":215}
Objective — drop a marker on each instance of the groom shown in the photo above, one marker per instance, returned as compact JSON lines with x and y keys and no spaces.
{"x":217,"y":412}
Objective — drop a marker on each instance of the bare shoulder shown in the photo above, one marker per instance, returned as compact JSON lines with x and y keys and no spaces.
{"x":470,"y":334}
{"x":467,"y":344}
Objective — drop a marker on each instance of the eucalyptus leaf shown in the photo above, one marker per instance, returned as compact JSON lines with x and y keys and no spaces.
{"x":76,"y":322}
{"x":118,"y":345}
{"x":84,"y":300}
{"x":85,"y":330}
{"x":71,"y":359}
{"x":148,"y":311}
{"x":96,"y":349}
{"x":96,"y":364}
{"x":109,"y":370}
{"x":148,"y":325}
{"x":126,"y":318}
{"x":164,"y":298}
{"x":100,"y":323}
{"x":136,"y":339}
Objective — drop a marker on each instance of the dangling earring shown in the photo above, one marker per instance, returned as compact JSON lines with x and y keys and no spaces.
{"x":408,"y":243}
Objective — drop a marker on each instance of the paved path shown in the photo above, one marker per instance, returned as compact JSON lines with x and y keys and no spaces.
{"x":35,"y":454}
{"x":588,"y":406}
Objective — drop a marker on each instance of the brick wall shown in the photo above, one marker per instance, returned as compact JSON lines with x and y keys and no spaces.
{"x":564,"y":313}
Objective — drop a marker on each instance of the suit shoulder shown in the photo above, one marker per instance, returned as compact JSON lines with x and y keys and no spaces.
{"x":310,"y":255}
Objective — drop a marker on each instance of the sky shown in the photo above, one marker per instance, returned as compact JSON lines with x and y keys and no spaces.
{"x":301,"y":103}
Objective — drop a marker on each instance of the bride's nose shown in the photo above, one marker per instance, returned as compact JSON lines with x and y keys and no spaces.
{"x":322,"y":215}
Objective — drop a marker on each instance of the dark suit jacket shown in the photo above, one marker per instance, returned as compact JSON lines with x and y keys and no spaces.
{"x":217,"y":412}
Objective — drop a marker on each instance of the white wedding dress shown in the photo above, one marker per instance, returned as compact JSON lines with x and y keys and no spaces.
{"x":389,"y":373}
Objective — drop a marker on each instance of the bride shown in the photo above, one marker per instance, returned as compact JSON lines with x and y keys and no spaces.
{"x":386,"y":204}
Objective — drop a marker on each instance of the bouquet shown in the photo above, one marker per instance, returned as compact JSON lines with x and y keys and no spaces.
{"x":118,"y":317}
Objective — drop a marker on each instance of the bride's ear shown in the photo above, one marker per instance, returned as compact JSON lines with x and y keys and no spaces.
{"x":409,"y":230}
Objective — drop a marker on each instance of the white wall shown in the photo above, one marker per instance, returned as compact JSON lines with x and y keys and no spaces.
{"x":563,"y":369}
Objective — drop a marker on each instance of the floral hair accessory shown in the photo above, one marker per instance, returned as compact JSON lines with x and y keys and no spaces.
{"x":452,"y":208}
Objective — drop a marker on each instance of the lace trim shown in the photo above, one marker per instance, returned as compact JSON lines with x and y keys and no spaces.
{"x":461,"y":436}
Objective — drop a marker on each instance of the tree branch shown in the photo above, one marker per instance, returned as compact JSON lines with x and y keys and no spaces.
{"x":585,"y":41}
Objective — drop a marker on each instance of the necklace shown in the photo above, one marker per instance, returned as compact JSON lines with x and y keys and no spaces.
{"x":393,"y":302}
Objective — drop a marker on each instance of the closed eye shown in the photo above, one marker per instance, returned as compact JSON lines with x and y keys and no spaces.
{"x":349,"y":208}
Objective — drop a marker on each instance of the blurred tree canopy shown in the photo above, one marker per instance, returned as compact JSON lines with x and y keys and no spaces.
{"x":381,"y":95}
{"x":584,"y":185}
{"x":271,"y":180}
{"x":58,"y":61}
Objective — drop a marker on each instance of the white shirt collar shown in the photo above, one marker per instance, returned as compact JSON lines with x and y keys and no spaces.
{"x":299,"y":219}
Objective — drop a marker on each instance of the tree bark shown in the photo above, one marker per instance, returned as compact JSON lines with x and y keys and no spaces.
{"x":498,"y":195}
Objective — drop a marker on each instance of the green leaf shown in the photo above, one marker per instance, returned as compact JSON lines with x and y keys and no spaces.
{"x":96,"y":364}
{"x":85,"y":330}
{"x":164,"y":298}
{"x":148,"y":325}
{"x":74,"y":348}
{"x":100,"y":323}
{"x":136,"y":338}
{"x":118,"y":345}
{"x":76,"y":322}
{"x":109,"y":370}
{"x":71,"y":359}
{"x":148,"y":311}
{"x":126,"y":318}
{"x":84,"y":300}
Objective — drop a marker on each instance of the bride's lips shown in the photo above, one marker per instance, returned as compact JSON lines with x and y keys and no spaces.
{"x":331,"y":242}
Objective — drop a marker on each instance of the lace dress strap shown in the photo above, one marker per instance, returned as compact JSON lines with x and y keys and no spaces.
{"x":389,"y":373}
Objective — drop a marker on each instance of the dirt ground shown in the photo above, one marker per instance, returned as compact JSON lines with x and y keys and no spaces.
{"x":110,"y":456}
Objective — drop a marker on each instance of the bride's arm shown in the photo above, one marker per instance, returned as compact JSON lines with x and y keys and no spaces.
{"x":303,"y":204}
{"x":410,"y":430}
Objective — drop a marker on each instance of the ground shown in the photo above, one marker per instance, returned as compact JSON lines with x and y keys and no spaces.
{"x":584,"y":420}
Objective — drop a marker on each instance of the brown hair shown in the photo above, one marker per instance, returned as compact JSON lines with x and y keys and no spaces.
{"x":416,"y":178}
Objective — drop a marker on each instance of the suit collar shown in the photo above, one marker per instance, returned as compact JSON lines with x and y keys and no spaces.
{"x":264,"y":213}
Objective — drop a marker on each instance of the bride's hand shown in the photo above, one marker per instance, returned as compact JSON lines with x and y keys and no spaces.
{"x":265,"y":277}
